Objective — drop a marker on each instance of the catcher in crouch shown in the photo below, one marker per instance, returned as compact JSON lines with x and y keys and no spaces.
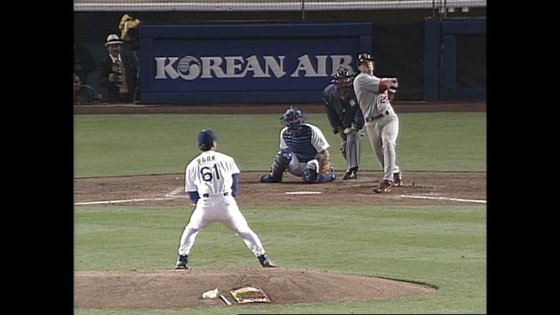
{"x":303,"y":151}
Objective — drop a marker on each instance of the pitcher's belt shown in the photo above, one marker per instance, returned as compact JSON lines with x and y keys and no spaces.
{"x":208,"y":195}
{"x":370,"y":119}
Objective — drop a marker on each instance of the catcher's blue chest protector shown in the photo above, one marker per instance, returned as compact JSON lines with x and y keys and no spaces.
{"x":300,"y":143}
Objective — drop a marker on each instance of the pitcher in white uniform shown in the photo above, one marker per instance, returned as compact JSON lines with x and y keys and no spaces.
{"x":382,"y":123}
{"x":211,"y":180}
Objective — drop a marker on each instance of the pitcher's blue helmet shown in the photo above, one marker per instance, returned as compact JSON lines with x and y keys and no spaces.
{"x":206,"y":139}
{"x":292,"y":118}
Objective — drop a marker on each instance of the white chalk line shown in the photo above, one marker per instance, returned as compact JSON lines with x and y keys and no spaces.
{"x":171,"y":195}
{"x":443,"y":198}
{"x":174,"y":194}
{"x":120,"y":201}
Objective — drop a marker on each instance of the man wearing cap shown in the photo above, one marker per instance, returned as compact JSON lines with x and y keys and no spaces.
{"x":117,"y":73}
{"x":346,"y":118}
{"x":382,"y":123}
{"x":211,"y":180}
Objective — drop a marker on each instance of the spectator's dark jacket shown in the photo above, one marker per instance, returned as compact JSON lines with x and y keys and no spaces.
{"x":110,"y":91}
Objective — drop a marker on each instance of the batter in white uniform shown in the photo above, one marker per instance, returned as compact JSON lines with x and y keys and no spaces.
{"x":382,"y":124}
{"x":211,"y":180}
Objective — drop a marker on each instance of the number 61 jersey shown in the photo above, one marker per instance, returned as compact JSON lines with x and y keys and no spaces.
{"x":210,"y":173}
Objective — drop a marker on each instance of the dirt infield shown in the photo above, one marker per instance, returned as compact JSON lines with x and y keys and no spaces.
{"x":168,"y":190}
{"x":164,"y":289}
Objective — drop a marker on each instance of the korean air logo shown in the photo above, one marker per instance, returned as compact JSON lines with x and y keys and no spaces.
{"x":188,"y":67}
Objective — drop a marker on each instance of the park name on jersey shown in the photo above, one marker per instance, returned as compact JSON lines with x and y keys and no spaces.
{"x":211,"y":158}
{"x":190,"y":68}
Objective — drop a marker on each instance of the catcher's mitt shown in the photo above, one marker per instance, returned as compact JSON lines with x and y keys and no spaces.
{"x":324,"y":162}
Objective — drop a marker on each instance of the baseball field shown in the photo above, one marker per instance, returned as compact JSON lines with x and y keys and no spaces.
{"x":339,"y":247}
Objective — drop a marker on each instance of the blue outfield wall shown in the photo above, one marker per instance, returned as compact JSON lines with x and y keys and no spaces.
{"x":245,"y":63}
{"x":452,"y":72}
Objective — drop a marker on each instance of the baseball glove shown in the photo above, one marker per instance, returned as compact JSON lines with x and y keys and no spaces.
{"x":129,"y":29}
{"x":324,"y":162}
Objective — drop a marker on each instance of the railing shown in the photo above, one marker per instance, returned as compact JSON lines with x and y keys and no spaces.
{"x":442,"y":6}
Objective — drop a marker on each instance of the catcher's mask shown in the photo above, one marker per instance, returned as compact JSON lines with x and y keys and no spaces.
{"x":293,"y":119}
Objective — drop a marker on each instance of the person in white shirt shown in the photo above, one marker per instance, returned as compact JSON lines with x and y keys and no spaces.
{"x":211,"y":180}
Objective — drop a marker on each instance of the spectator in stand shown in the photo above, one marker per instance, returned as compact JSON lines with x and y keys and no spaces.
{"x":84,"y":64}
{"x":117,"y":73}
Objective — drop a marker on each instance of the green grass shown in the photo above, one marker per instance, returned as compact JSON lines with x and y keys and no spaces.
{"x":441,"y":245}
{"x":117,"y":145}
{"x":444,"y":246}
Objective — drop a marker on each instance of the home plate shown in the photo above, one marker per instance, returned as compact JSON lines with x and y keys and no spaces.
{"x":302,"y":192}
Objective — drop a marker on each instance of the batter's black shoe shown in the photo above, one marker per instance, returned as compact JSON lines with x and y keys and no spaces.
{"x":351,"y":174}
{"x":182,"y":262}
{"x":269,"y":179}
{"x":266,"y":262}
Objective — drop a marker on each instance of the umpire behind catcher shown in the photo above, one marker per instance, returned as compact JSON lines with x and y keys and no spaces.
{"x":346,"y":118}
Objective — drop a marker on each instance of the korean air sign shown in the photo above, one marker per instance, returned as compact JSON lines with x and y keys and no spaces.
{"x":236,"y":64}
{"x":217,"y":67}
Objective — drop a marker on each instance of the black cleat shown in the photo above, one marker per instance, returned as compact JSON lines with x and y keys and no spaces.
{"x":350,"y":175}
{"x":266,"y":262}
{"x":269,"y":179}
{"x":182,"y":262}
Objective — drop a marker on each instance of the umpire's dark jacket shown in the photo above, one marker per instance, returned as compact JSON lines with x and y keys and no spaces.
{"x":342,"y":113}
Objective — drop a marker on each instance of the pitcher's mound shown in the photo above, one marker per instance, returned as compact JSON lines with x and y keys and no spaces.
{"x":164,"y":289}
